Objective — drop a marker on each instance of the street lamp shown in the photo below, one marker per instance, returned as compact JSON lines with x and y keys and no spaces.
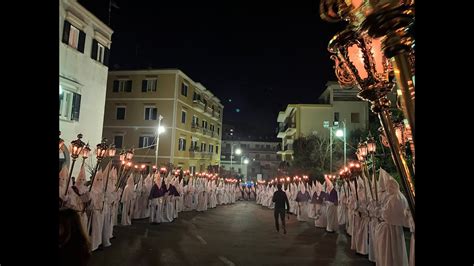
{"x":238,"y":151}
{"x":159,"y":130}
{"x":76,"y":149}
{"x":342,"y":133}
{"x":85,"y":153}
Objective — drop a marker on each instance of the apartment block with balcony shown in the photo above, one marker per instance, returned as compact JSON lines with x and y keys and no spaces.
{"x":261,"y":156}
{"x":192,"y":118}
{"x":84,"y":43}
{"x":336,"y":105}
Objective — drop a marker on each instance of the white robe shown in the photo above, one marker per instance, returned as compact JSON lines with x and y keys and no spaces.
{"x":391,"y":246}
{"x":331,"y":215}
{"x":128,"y":200}
{"x":96,"y":219}
{"x":156,"y":210}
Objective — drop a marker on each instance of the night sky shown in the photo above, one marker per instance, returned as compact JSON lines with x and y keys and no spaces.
{"x":256,"y":56}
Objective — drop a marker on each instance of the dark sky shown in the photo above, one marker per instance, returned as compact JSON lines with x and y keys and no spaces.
{"x":262,"y":55}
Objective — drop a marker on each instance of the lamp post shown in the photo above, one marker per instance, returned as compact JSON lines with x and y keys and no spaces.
{"x":101,"y":152}
{"x":238,"y":151}
{"x":371,"y":147}
{"x":159,"y":130}
{"x":342,"y":133}
{"x":76,"y":149}
{"x":362,"y":62}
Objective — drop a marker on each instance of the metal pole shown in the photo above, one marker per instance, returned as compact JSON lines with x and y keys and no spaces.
{"x":345,"y":159}
{"x":157,"y":141}
{"x":231,"y":153}
{"x":70,"y":174}
{"x":330,"y":150}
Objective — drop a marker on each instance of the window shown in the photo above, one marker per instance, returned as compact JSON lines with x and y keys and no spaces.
{"x":217,"y":149}
{"x":211,"y":148}
{"x":151,"y":113}
{"x":336,"y":117}
{"x":73,"y":37}
{"x":121,"y":113}
{"x":149,"y":85}
{"x":355,"y":118}
{"x":100,"y":52}
{"x":192,"y":169}
{"x":69,"y":105}
{"x":183,"y":117}
{"x":218,"y":131}
{"x":205,"y":104}
{"x":118,"y":141}
{"x":267,"y":146}
{"x":182,"y":144}
{"x":211,"y":127}
{"x":257,"y":156}
{"x":184,"y":89}
{"x":122,"y":86}
{"x":195,"y":121}
{"x":267,"y":156}
{"x":203,"y":147}
{"x":204,"y":124}
{"x":146,"y":142}
{"x":194,"y":145}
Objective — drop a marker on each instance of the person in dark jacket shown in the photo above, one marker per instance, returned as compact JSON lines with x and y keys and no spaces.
{"x":280,"y":199}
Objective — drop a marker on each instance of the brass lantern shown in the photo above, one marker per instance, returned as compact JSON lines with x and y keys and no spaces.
{"x":371,"y":147}
{"x":86,"y":152}
{"x":112,"y":150}
{"x":362,"y":149}
{"x":129,"y":154}
{"x":76,"y":147}
{"x":122,"y":155}
{"x":101,"y":150}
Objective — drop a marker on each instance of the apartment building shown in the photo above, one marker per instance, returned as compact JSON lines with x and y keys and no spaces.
{"x":257,"y":159}
{"x":336,"y":107}
{"x":84,"y":45}
{"x":191,"y":118}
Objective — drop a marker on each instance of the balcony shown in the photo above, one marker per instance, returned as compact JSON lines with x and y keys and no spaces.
{"x":199,"y":105}
{"x":195,"y":127}
{"x":286,"y":129}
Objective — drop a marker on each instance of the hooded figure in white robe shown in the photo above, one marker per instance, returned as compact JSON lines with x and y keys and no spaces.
{"x":374,"y":212}
{"x":113,"y":199}
{"x":128,"y":201}
{"x":303,"y":200}
{"x":331,"y":201}
{"x":341,"y":207}
{"x":97,"y":217}
{"x":109,"y":198}
{"x":156,"y":200}
{"x":63,"y":178}
{"x":168,"y":212}
{"x":391,"y":246}
{"x":84,"y":197}
{"x":148,"y":184}
{"x":320,"y":209}
{"x":361,"y":229}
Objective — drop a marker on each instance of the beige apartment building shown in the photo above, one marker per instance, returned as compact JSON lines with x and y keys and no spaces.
{"x":191,"y":118}
{"x":336,"y":107}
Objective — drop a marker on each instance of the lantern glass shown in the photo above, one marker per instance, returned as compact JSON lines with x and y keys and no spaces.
{"x":86,"y":152}
{"x":112,"y":151}
{"x":357,"y":59}
{"x":379,"y":58}
{"x":129,"y":155}
{"x":363,"y":149}
{"x":399,"y":133}
{"x":371,"y":145}
{"x":355,"y":3}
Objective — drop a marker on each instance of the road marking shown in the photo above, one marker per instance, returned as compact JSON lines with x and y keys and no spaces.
{"x":226,"y":261}
{"x":201,"y":239}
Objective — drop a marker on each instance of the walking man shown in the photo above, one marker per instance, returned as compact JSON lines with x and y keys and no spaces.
{"x":280,"y":199}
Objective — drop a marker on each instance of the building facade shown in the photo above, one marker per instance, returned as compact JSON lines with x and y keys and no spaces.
{"x":261,"y":156}
{"x":83,"y":68}
{"x":191,"y":117}
{"x":336,"y":107}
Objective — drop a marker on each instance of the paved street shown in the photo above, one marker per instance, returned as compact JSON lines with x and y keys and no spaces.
{"x":238,"y":234}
